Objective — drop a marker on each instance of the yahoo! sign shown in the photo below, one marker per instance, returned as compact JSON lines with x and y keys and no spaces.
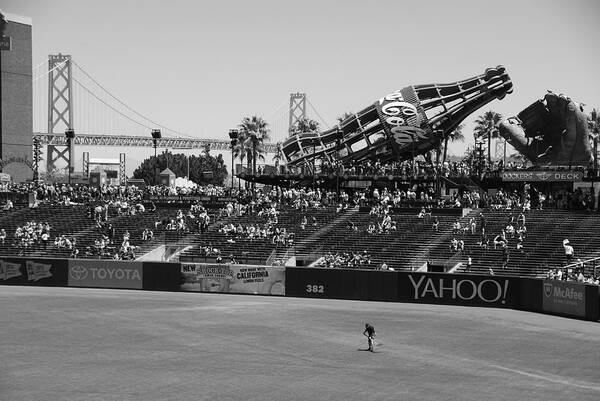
{"x":460,"y":290}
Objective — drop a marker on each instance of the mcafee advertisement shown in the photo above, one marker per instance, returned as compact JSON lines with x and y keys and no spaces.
{"x":563,"y":297}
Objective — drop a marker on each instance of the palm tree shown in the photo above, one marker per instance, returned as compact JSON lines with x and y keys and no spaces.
{"x":486,"y":125}
{"x":454,"y":136}
{"x":594,"y":127}
{"x":242,"y":149}
{"x":594,"y":122}
{"x":254,"y":131}
{"x":278,"y":155}
{"x":305,"y":125}
{"x":344,"y":116}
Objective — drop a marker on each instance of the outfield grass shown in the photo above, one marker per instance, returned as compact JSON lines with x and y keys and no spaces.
{"x":90,"y":344}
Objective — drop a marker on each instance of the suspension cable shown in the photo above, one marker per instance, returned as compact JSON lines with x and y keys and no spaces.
{"x":128,"y":107}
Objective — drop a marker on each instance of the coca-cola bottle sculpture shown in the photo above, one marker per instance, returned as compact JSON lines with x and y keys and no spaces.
{"x":403,"y":124}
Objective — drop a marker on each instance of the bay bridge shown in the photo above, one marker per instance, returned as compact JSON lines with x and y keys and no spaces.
{"x":67,"y":97}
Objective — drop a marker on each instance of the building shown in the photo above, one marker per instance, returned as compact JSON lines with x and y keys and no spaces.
{"x":16,"y":108}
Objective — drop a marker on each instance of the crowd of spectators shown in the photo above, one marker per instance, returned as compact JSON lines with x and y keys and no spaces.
{"x":29,"y":234}
{"x":406,"y":168}
{"x":345,"y":260}
{"x":574,"y":274}
{"x":264,"y":203}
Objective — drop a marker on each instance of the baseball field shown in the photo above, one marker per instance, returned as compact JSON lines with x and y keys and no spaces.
{"x":97,"y":344}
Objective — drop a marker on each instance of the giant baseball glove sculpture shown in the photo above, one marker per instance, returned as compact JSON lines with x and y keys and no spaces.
{"x":551,"y":131}
{"x":410,"y":121}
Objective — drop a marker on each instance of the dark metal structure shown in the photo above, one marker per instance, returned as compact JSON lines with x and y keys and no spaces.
{"x":401,"y":125}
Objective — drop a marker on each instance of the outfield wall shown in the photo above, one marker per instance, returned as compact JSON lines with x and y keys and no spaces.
{"x":562,"y":298}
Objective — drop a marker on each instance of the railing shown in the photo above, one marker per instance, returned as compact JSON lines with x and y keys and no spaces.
{"x":581,"y":264}
{"x":382,"y":171}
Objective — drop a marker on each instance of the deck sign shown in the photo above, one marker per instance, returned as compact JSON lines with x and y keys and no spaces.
{"x":564,"y":297}
{"x":542,"y":176}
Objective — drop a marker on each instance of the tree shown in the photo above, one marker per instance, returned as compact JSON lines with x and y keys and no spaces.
{"x":344,"y":116}
{"x":594,"y":123}
{"x":253,"y":133}
{"x":486,"y":126}
{"x":305,"y":125}
{"x":454,"y":136}
{"x":278,"y":154}
{"x":178,"y":163}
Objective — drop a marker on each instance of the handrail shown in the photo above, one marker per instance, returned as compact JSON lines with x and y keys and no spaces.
{"x":581,"y":263}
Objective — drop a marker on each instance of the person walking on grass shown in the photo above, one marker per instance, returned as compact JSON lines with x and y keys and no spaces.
{"x":370,"y":334}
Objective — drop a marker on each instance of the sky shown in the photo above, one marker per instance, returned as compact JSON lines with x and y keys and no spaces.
{"x":200,"y":67}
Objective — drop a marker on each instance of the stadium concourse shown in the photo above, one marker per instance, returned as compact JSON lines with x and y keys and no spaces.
{"x":100,"y":344}
{"x":509,"y":230}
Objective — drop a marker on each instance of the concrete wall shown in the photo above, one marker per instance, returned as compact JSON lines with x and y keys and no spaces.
{"x":17,"y":102}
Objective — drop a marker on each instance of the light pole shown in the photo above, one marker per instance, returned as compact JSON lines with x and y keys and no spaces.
{"x":155,"y":137}
{"x":233,"y":135}
{"x":70,"y":134}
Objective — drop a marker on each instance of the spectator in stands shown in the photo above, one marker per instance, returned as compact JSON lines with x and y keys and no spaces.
{"x":74,"y":253}
{"x":424,"y":213}
{"x":8,"y":205}
{"x":303,"y":223}
{"x":482,"y":222}
{"x":484,"y":241}
{"x":569,"y":251}
{"x":521,"y":231}
{"x":2,"y":235}
{"x":510,"y":230}
{"x":559,"y":274}
{"x":456,"y":227}
{"x":436,"y":224}
{"x":147,"y":234}
{"x":473,"y":225}
{"x":499,"y":240}
{"x":521,"y":220}
{"x":519,"y":246}
{"x":469,"y":263}
{"x":505,"y":255}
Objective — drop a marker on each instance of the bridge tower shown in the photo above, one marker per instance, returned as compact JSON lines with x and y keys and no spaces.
{"x":500,"y":150}
{"x":297,"y":109}
{"x":60,"y":109}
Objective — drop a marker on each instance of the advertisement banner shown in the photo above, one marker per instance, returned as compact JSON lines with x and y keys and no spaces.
{"x":33,"y":271}
{"x":239,"y":279}
{"x":564,"y":297}
{"x":403,"y":119}
{"x":541,"y":176}
{"x":105,"y":274}
{"x":454,"y":289}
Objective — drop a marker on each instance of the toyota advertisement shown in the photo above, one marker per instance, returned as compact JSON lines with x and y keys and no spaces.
{"x":105,"y":274}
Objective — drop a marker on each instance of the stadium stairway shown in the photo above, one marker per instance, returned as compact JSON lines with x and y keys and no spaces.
{"x":399,"y":249}
{"x":546,"y":230}
{"x":256,"y":250}
{"x":311,"y":244}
